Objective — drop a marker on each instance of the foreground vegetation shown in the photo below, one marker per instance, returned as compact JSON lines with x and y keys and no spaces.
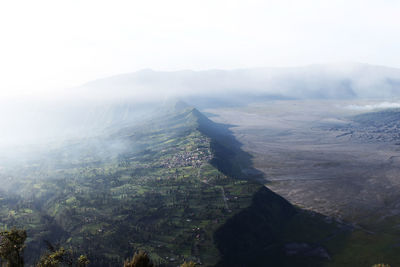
{"x":12,"y":246}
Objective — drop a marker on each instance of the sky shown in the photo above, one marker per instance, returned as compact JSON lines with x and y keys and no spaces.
{"x":46,"y":45}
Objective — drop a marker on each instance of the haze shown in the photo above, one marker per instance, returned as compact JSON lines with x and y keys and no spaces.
{"x":203,"y":133}
{"x":49,"y":45}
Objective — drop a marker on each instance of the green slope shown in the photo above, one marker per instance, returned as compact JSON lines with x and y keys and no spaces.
{"x":174,"y":187}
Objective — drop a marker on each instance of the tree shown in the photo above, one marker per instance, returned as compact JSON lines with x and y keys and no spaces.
{"x":12,"y":244}
{"x":140,"y":259}
{"x":57,"y":257}
{"x":188,"y":264}
{"x":83,"y":261}
{"x":54,"y":258}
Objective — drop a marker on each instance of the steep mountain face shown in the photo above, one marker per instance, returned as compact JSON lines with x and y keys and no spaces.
{"x":170,"y":186}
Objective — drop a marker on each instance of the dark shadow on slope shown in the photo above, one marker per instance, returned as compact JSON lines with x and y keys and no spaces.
{"x":229,"y":158}
{"x":252,"y":237}
{"x":271,"y":231}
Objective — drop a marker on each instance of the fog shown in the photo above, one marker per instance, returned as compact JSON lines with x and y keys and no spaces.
{"x":376,"y":106}
{"x":50,"y":50}
{"x":99,"y":104}
{"x":101,"y":107}
{"x":86,"y":148}
{"x":47,"y":44}
{"x":336,"y":81}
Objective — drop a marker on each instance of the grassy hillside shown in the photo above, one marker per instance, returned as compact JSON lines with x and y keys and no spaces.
{"x":172,"y":186}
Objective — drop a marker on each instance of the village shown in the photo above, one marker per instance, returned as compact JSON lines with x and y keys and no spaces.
{"x":195,"y":157}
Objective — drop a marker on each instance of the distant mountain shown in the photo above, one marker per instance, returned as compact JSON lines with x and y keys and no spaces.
{"x":335,"y":81}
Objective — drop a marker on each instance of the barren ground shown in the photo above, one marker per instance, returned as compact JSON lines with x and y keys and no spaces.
{"x":314,"y":167}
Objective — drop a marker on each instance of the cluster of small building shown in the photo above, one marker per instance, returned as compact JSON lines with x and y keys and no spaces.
{"x":193,"y":158}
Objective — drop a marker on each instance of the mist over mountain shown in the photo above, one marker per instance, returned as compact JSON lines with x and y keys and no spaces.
{"x":199,"y":133}
{"x":125,"y":98}
{"x":332,"y":81}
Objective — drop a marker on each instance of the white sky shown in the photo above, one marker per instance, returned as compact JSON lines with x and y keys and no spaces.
{"x":47,"y":44}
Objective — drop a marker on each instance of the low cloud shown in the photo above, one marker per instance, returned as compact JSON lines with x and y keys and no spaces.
{"x":382,"y":105}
